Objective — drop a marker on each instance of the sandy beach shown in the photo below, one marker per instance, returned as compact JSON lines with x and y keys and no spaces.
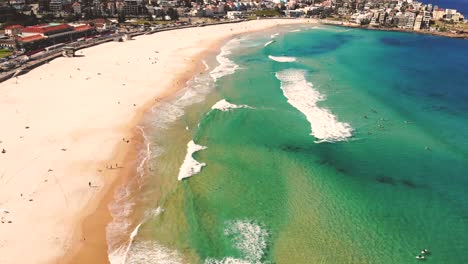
{"x":64,"y":124}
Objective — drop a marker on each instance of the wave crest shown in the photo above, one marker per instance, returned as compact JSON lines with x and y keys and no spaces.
{"x":282,"y":58}
{"x":225,"y":106}
{"x":247,"y":237}
{"x":226,"y":66}
{"x":190,"y":166}
{"x":268,"y":43}
{"x":300,"y":94}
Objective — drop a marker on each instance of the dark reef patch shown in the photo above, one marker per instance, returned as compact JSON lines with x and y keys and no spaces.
{"x":409,"y":183}
{"x":386,"y":180}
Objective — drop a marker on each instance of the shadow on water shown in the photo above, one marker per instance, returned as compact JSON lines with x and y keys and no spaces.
{"x":323,"y":45}
{"x":392,"y":181}
{"x":392,"y":41}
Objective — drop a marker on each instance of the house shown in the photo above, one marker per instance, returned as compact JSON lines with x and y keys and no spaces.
{"x":438,"y":13}
{"x":418,"y":22}
{"x":55,"y":6}
{"x":13,"y":30}
{"x":101,"y":24}
{"x":234,"y":14}
{"x":76,"y":8}
{"x":294,"y":13}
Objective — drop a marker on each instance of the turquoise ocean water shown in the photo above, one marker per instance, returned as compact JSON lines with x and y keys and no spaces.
{"x":333,"y":145}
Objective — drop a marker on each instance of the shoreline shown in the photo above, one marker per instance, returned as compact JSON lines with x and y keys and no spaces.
{"x":85,"y":106}
{"x":419,"y":32}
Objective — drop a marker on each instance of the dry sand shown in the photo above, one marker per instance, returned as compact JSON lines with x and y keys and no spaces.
{"x":64,"y":122}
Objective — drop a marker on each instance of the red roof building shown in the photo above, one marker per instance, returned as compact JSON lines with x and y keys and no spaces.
{"x":13,"y":30}
{"x":32,"y":38}
{"x":48,"y":29}
{"x":14,"y":27}
{"x":83,"y":27}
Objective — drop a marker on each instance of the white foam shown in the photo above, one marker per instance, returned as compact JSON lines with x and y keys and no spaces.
{"x":226,"y":66}
{"x":225,"y":106}
{"x":147,"y":151}
{"x":274,"y":35}
{"x":268,"y":43}
{"x":150,"y":252}
{"x":165,"y":113}
{"x":300,"y":94}
{"x":190,"y":166}
{"x":295,"y":30}
{"x":120,"y":210}
{"x":120,"y":254}
{"x":247,"y":237}
{"x":206,"y":65}
{"x":282,"y":58}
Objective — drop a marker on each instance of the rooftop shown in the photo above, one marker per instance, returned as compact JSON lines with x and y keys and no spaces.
{"x":46,"y":28}
{"x":31,"y":38}
{"x":14,"y":27}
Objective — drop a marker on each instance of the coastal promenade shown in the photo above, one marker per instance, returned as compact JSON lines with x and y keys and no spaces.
{"x":66,"y":122}
{"x":48,"y":56}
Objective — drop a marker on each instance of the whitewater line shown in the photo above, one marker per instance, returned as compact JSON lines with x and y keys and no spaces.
{"x":282,"y":58}
{"x":225,"y":106}
{"x":190,"y":166}
{"x":301,"y":95}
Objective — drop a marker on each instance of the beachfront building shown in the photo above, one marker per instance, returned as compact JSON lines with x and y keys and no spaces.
{"x":235,"y":14}
{"x":56,"y":6}
{"x":47,"y":29}
{"x":76,"y":8}
{"x":134,"y":8}
{"x":426,"y":20}
{"x":375,"y":19}
{"x":418,"y":22}
{"x":411,"y":17}
{"x":13,"y":30}
{"x":438,"y":13}
{"x":40,"y":36}
{"x":382,"y":16}
{"x":294,"y":13}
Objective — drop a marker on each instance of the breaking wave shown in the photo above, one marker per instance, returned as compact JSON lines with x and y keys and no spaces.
{"x":120,"y":255}
{"x":300,"y":94}
{"x":164,"y":113}
{"x":274,"y":35}
{"x":282,"y":58}
{"x":268,"y":43}
{"x":150,"y":252}
{"x":249,"y":238}
{"x":226,"y":66}
{"x":225,"y":106}
{"x":190,"y":166}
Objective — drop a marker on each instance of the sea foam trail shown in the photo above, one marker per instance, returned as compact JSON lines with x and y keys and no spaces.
{"x":295,"y":30}
{"x":190,"y":166}
{"x":226,"y":66}
{"x":149,"y":252}
{"x":268,"y":43}
{"x":225,"y":106}
{"x":249,"y":238}
{"x":300,"y":94}
{"x":282,"y":58}
{"x":120,"y":255}
{"x":274,"y":35}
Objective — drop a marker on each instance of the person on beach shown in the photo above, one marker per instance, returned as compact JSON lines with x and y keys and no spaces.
{"x":89,"y":183}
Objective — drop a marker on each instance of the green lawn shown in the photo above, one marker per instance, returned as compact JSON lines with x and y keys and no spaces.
{"x":5,"y":53}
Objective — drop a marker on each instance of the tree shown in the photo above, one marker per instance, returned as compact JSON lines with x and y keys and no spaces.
{"x":172,"y":13}
{"x":121,"y":17}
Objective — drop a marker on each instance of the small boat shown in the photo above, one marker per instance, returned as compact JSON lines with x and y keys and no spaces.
{"x":420,"y":257}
